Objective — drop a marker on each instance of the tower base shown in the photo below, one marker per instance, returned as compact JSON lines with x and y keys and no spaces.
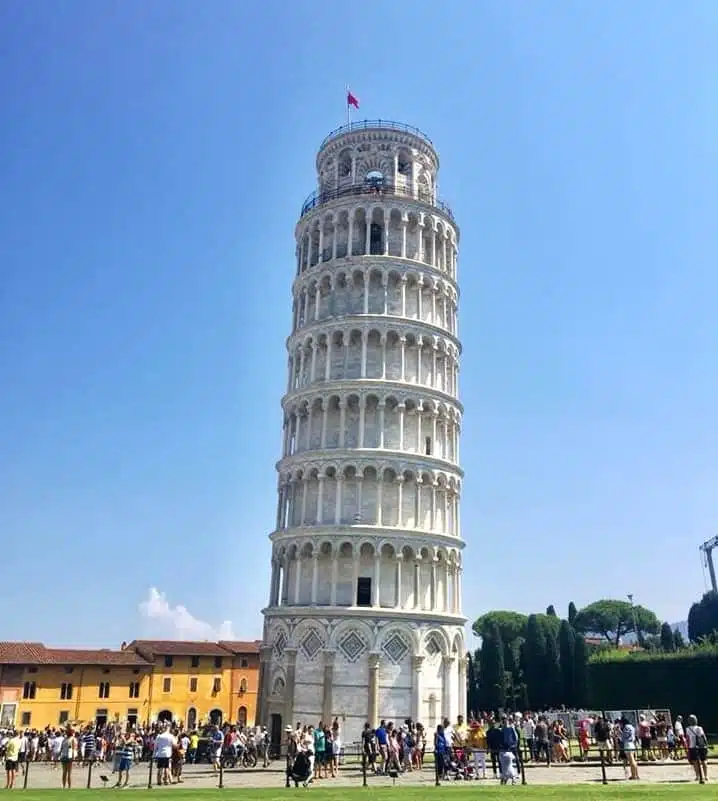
{"x":360,"y":669}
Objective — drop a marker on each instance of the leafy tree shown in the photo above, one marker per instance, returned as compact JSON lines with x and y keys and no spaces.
{"x":492,"y":674}
{"x":580,"y":673}
{"x":703,"y":617}
{"x":678,"y":641}
{"x":614,"y":619}
{"x":551,"y":611}
{"x":572,"y":612}
{"x":511,"y":625}
{"x":667,"y":643}
{"x":534,"y":662}
{"x":567,"y":660}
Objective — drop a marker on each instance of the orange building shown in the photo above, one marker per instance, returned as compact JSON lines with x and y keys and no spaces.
{"x":144,"y":681}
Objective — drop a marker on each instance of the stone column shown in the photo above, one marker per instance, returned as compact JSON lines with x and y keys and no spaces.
{"x":328,"y":365}
{"x":315,"y":576}
{"x":402,"y":343}
{"x":366,"y":292}
{"x":447,"y":702}
{"x":297,"y":578}
{"x":417,"y":664}
{"x":462,"y":686}
{"x":377,"y":578}
{"x":386,"y":236}
{"x":382,"y":407}
{"x":434,"y":594}
{"x":417,"y":584}
{"x":338,"y":500}
{"x":362,"y":419}
{"x":290,"y":655}
{"x":327,"y":699}
{"x":401,"y":408}
{"x":350,"y":239}
{"x":403,"y":295}
{"x":420,"y":298}
{"x":320,"y":501}
{"x":342,"y":420}
{"x":364,"y":346}
{"x":404,"y":224}
{"x":400,"y":501}
{"x":265,"y":656}
{"x":313,"y":364}
{"x":325,"y":415}
{"x":320,"y":258}
{"x":373,"y":704}
{"x":367,"y":238}
{"x":335,"y":577}
{"x":380,"y":498}
{"x":397,"y":602}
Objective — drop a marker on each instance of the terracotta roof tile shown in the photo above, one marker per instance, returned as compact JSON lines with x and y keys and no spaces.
{"x":153,"y":648}
{"x":35,"y":653}
{"x":240,"y":647}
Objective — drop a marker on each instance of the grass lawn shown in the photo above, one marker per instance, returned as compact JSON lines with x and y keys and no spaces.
{"x":645,"y":792}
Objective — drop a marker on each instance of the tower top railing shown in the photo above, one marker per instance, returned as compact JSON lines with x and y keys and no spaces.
{"x":376,"y":190}
{"x":366,"y":125}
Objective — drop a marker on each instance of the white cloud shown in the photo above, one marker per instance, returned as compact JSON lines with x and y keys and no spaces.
{"x":177,"y":623}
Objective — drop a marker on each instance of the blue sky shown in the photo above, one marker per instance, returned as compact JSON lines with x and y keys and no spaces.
{"x":154,"y":159}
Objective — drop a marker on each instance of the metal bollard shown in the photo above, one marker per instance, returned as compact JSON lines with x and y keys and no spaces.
{"x":27,"y":771}
{"x":220,"y":786}
{"x":363,"y":769}
{"x":604,"y":779}
{"x":437,"y":771}
{"x":288,"y":770}
{"x":149,"y":778}
{"x":89,"y":775}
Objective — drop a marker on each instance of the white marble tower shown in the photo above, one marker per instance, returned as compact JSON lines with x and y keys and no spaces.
{"x":364,"y":619}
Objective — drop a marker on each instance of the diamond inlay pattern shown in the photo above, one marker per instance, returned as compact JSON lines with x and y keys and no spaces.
{"x":395,"y":648}
{"x":352,"y":646}
{"x":280,"y":644}
{"x":311,"y":644}
{"x":432,"y":647}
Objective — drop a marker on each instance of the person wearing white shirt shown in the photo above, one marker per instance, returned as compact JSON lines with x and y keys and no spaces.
{"x":697,"y":744}
{"x":164,"y":743}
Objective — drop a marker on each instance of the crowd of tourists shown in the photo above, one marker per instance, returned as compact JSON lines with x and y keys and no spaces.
{"x":171,"y":746}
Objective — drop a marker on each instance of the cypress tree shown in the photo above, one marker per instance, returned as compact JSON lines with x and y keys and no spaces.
{"x":567,"y":659}
{"x":553,"y":668}
{"x":492,"y":678}
{"x":534,"y":662}
{"x":678,"y":641}
{"x":551,"y":610}
{"x":667,"y":643}
{"x":580,"y":674}
{"x":572,"y":612}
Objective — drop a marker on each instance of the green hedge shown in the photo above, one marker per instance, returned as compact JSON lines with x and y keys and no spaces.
{"x":684,"y":682}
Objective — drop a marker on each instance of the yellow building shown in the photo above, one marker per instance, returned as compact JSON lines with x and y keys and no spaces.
{"x":145,"y":681}
{"x":42,"y":686}
{"x":201,"y":682}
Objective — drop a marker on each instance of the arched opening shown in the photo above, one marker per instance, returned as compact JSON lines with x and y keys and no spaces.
{"x":165,"y":716}
{"x":191,"y":718}
{"x":242,"y":716}
{"x":375,"y":178}
{"x":243,"y":686}
{"x":215,"y":717}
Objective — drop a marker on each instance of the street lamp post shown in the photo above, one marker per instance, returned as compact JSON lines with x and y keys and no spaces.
{"x":635,"y":622}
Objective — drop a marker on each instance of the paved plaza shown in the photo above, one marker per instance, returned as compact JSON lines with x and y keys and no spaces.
{"x":202,"y":777}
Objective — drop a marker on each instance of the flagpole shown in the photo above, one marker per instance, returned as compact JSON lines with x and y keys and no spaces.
{"x":349,"y":108}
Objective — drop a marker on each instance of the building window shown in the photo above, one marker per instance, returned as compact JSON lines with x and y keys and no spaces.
{"x":104,"y":689}
{"x":218,"y":662}
{"x":131,"y":718}
{"x":32,"y":670}
{"x":243,"y":686}
{"x":106,"y":671}
{"x":25,"y":718}
{"x":168,"y":661}
{"x":167,"y":685}
{"x":136,"y":671}
{"x":195,"y":661}
{"x":193,"y":684}
{"x":244,"y":663}
{"x":69,"y":670}
{"x":63,"y":718}
{"x":217,"y":685}
{"x":66,"y":691}
{"x":29,"y":689}
{"x":364,"y":592}
{"x":242,"y":716}
{"x":134,"y":689}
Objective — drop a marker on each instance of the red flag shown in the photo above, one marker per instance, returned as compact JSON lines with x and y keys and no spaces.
{"x":351,"y":100}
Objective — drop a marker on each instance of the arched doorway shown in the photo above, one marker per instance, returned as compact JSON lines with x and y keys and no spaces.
{"x":191,"y":718}
{"x":242,"y":716}
{"x":215,"y":717}
{"x":165,"y":716}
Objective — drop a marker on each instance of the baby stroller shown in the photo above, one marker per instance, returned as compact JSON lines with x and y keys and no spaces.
{"x":301,"y":770}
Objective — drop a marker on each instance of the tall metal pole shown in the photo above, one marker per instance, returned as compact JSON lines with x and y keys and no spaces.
{"x":633,"y":615}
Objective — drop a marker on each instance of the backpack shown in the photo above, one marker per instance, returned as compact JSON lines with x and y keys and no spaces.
{"x":701,"y":740}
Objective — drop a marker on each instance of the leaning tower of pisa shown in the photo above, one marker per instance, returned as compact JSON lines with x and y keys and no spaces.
{"x":364,"y":619}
